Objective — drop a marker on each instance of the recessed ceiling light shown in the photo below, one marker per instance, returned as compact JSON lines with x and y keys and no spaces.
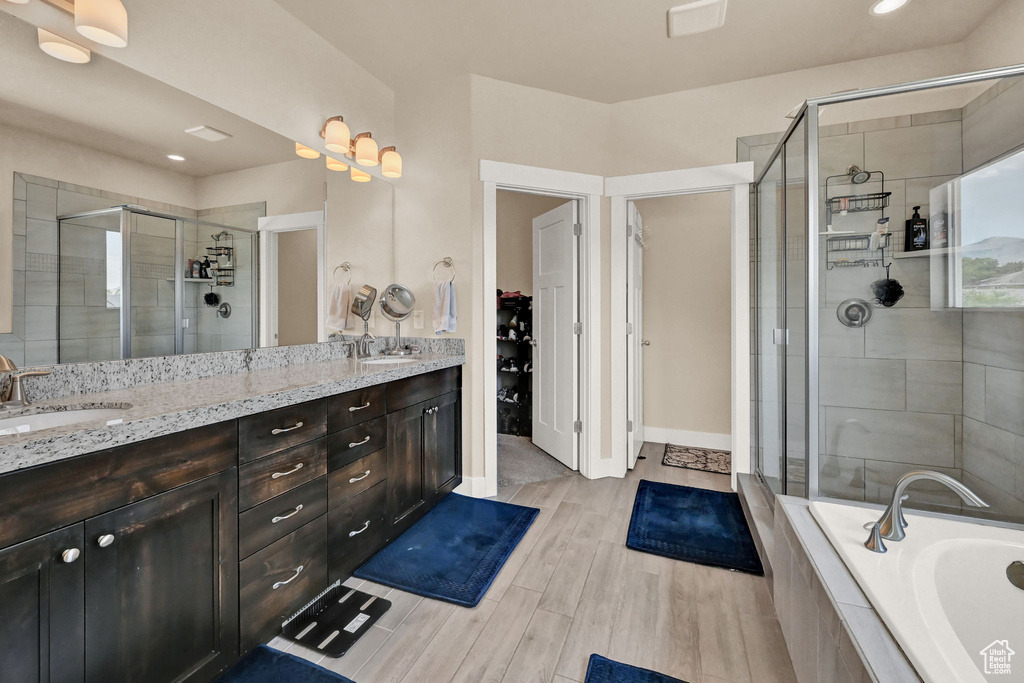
{"x":175,"y":157}
{"x":696,"y":17}
{"x":886,"y":6}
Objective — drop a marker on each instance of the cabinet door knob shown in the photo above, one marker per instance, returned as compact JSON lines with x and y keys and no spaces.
{"x":362,"y":407}
{"x":105,"y":540}
{"x":290,"y":513}
{"x":282,"y":430}
{"x":366,"y":525}
{"x":364,"y":475}
{"x":359,"y":443}
{"x":298,"y":570}
{"x":71,"y":554}
{"x":278,"y":475}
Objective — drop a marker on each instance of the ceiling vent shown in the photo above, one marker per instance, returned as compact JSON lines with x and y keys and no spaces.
{"x":696,"y":17}
{"x":207,"y":133}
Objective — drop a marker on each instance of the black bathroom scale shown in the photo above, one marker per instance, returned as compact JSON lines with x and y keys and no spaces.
{"x":335,"y":620}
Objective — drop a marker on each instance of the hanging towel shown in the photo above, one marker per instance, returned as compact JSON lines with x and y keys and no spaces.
{"x":340,"y":312}
{"x":442,"y":300}
{"x":453,"y":312}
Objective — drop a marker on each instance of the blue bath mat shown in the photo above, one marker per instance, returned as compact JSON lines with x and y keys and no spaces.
{"x":693,"y":525}
{"x":267,"y":665}
{"x":602,"y":670}
{"x":454,"y":552}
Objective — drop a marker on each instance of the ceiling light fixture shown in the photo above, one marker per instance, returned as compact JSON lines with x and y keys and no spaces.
{"x":208,"y":133}
{"x":335,"y":165}
{"x":336,"y":135}
{"x":366,"y":150}
{"x":103,"y":21}
{"x":62,"y":48}
{"x":175,"y":157}
{"x":360,"y":176}
{"x":886,"y":6}
{"x":306,"y":152}
{"x":18,"y":2}
{"x":390,"y":162}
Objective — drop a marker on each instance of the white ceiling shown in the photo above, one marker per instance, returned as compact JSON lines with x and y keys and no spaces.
{"x":615,"y":50}
{"x":109,"y":107}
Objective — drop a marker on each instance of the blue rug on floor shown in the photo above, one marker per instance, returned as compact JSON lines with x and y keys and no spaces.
{"x":602,"y":670}
{"x":693,"y":525}
{"x":267,"y":665}
{"x":454,"y":552}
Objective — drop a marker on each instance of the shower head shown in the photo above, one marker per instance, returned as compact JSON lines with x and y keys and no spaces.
{"x":857,"y":176}
{"x":222,"y":233}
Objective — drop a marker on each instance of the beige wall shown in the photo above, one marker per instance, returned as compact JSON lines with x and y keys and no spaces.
{"x":516,"y":212}
{"x":296,"y":287}
{"x":288,"y":187}
{"x":687,"y":313}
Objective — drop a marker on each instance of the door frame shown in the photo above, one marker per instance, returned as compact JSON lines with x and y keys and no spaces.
{"x":735,"y":178}
{"x":588,"y":189}
{"x":269,"y":228}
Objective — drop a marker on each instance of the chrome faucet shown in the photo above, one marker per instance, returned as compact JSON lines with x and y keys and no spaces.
{"x":890,"y":526}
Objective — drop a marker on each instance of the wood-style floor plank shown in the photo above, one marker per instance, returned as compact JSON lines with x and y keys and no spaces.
{"x":537,"y":654}
{"x":493,"y":650}
{"x":449,"y":646}
{"x":519,"y":556}
{"x":394,"y":658}
{"x":540,"y":565}
{"x":563,"y":591}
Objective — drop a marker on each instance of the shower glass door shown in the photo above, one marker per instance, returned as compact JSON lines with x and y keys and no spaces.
{"x":151,"y":292}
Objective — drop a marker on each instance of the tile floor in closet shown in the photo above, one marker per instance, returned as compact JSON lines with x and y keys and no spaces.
{"x":572,"y":588}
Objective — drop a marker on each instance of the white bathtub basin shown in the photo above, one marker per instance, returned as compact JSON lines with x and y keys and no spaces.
{"x":943,"y":591}
{"x":35,"y":422}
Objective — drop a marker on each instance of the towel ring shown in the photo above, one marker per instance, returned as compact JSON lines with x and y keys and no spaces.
{"x":347,"y":267}
{"x":447,"y":262}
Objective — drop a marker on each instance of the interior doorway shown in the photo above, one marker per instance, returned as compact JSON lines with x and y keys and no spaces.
{"x":292,"y":279}
{"x":537,"y":279}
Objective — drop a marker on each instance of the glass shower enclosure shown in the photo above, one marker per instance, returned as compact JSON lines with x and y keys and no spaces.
{"x":125,"y":288}
{"x":887,"y":299}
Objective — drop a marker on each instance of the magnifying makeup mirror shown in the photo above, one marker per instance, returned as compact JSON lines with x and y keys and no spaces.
{"x":397,"y":304}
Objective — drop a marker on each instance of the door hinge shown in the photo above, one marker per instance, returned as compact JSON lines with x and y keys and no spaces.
{"x":629,"y":425}
{"x":184,"y":323}
{"x":629,"y":328}
{"x":577,"y":328}
{"x":577,"y":229}
{"x":577,"y":426}
{"x":629,"y":230}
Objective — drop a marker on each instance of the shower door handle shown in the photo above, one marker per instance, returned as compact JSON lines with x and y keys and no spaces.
{"x":780,"y":337}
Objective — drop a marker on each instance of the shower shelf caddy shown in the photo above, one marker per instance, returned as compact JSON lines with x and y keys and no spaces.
{"x":223,"y":253}
{"x":848,"y":251}
{"x":853,"y":249}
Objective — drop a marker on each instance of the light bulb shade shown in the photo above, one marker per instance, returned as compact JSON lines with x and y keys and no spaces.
{"x":366,"y":150}
{"x":17,"y":2}
{"x":306,"y":152}
{"x":360,"y":176}
{"x":62,"y":48}
{"x":336,"y":165}
{"x":103,"y":21}
{"x":390,"y":163}
{"x":337,"y":136}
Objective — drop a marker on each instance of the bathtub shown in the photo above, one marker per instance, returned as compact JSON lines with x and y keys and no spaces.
{"x":943,"y":592}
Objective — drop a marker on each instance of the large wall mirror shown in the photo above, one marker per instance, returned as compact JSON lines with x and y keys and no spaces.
{"x":132,"y":218}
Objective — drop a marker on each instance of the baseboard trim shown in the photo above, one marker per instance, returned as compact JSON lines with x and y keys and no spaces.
{"x":680,"y":437}
{"x":474,"y":487}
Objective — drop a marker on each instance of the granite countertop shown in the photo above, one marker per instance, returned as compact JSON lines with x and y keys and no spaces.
{"x":166,"y":408}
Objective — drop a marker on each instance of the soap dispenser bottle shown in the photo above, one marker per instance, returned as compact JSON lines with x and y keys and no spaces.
{"x":917,"y":232}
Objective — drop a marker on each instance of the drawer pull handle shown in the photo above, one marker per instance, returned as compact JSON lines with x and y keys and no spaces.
{"x":366,"y":525}
{"x":359,"y":478}
{"x":281,"y":518}
{"x":362,"y":407}
{"x":359,"y":443}
{"x":278,"y":475}
{"x":282,"y":430}
{"x":298,"y":570}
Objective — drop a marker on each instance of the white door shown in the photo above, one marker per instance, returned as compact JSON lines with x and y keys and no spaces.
{"x":554,"y":352}
{"x":635,"y":332}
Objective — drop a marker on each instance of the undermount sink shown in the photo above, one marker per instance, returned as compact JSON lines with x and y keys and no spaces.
{"x":48,"y":419}
{"x":388,"y":361}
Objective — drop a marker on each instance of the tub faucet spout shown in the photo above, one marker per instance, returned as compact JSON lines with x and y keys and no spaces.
{"x":891,"y":523}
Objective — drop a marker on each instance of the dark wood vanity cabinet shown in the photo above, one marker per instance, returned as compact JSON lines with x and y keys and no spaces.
{"x":167,"y":559}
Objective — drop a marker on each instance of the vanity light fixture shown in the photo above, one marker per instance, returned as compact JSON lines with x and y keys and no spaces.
{"x":175,"y":157}
{"x":18,"y":2}
{"x":366,"y":150}
{"x":360,"y":176}
{"x":306,"y":152}
{"x":335,"y":165}
{"x":886,"y":6}
{"x":337,"y":136}
{"x":62,"y":48}
{"x":390,"y":162}
{"x":103,"y":21}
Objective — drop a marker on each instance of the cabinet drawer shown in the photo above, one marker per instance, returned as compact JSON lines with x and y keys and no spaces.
{"x":276,"y":430}
{"x":264,"y":524}
{"x":278,"y":580}
{"x":265,"y":478}
{"x":350,"y":444}
{"x":358,"y":530}
{"x":356,"y":477}
{"x":406,"y":392}
{"x":354,"y":407}
{"x":40,"y":499}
